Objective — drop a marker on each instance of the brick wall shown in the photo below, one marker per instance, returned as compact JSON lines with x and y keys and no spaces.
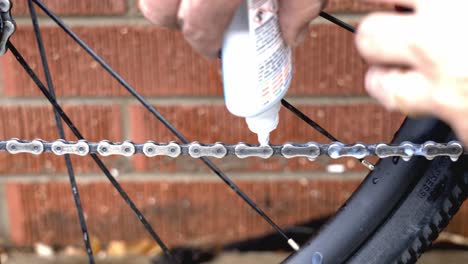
{"x":180,"y":197}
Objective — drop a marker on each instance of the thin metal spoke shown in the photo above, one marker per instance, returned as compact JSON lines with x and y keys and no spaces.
{"x":308,"y":120}
{"x":163,"y":120}
{"x":58,"y":121}
{"x":96,"y":159}
{"x":319,"y":128}
{"x":338,"y":22}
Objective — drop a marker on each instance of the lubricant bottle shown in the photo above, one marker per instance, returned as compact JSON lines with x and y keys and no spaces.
{"x":256,"y":64}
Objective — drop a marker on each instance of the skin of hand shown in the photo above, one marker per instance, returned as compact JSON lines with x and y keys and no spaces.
{"x":419,"y":60}
{"x":203,"y":22}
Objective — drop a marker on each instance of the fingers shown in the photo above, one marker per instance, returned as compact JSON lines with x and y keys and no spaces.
{"x":295,"y":16}
{"x":204,"y":23}
{"x":387,"y":39}
{"x":407,"y":91}
{"x":161,"y":12}
{"x":405,"y":3}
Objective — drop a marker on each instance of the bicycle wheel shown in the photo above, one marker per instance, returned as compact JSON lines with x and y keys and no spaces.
{"x":394,"y":215}
{"x":398,"y":210}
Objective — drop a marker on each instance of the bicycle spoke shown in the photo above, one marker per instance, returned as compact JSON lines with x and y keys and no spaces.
{"x":58,"y":121}
{"x":96,"y":159}
{"x":166,"y":123}
{"x":296,"y":111}
{"x":319,"y":128}
{"x":308,"y":120}
{"x":338,"y":22}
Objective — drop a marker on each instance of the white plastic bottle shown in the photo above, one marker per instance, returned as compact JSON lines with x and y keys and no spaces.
{"x":257,"y":67}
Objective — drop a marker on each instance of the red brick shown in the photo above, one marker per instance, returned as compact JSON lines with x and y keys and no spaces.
{"x":159,"y":62}
{"x":180,"y":211}
{"x":353,"y":6}
{"x":96,"y":122}
{"x":327,"y":63}
{"x":16,"y":210}
{"x":153,"y":60}
{"x":211,"y":123}
{"x":76,"y":8}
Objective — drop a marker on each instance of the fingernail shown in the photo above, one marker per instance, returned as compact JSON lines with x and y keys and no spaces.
{"x":362,"y":42}
{"x":371,"y":82}
{"x":391,"y":92}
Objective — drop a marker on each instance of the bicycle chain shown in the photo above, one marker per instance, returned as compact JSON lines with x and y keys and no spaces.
{"x":310,"y":150}
{"x":7,"y":24}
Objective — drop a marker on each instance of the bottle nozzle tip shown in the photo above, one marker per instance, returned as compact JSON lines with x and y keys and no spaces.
{"x":264,"y":139}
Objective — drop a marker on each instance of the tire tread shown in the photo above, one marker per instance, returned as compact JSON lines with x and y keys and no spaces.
{"x":439,"y":221}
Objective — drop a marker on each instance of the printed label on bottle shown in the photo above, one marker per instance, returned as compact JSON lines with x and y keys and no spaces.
{"x":273,"y":54}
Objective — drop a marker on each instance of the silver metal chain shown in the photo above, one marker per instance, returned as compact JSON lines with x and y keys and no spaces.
{"x":310,"y":150}
{"x":8,"y":26}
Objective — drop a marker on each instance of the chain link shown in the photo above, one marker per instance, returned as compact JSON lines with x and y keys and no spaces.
{"x":311,"y":150}
{"x":7,"y":27}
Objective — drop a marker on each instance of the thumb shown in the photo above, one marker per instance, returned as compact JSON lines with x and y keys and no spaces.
{"x":295,"y":16}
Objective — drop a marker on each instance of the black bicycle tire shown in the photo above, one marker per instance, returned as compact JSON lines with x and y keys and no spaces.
{"x":419,"y":218}
{"x":363,"y":230}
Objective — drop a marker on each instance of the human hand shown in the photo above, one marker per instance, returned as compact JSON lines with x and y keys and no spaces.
{"x":419,"y":61}
{"x":203,"y":22}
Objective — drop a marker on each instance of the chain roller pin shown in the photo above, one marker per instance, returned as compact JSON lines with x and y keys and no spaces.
{"x":61,"y":147}
{"x":106,"y":148}
{"x":432,"y":150}
{"x":15,"y":146}
{"x":152,"y":149}
{"x":196,"y":150}
{"x":310,"y":150}
{"x":338,"y":150}
{"x":406,"y":150}
{"x":243,"y":151}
